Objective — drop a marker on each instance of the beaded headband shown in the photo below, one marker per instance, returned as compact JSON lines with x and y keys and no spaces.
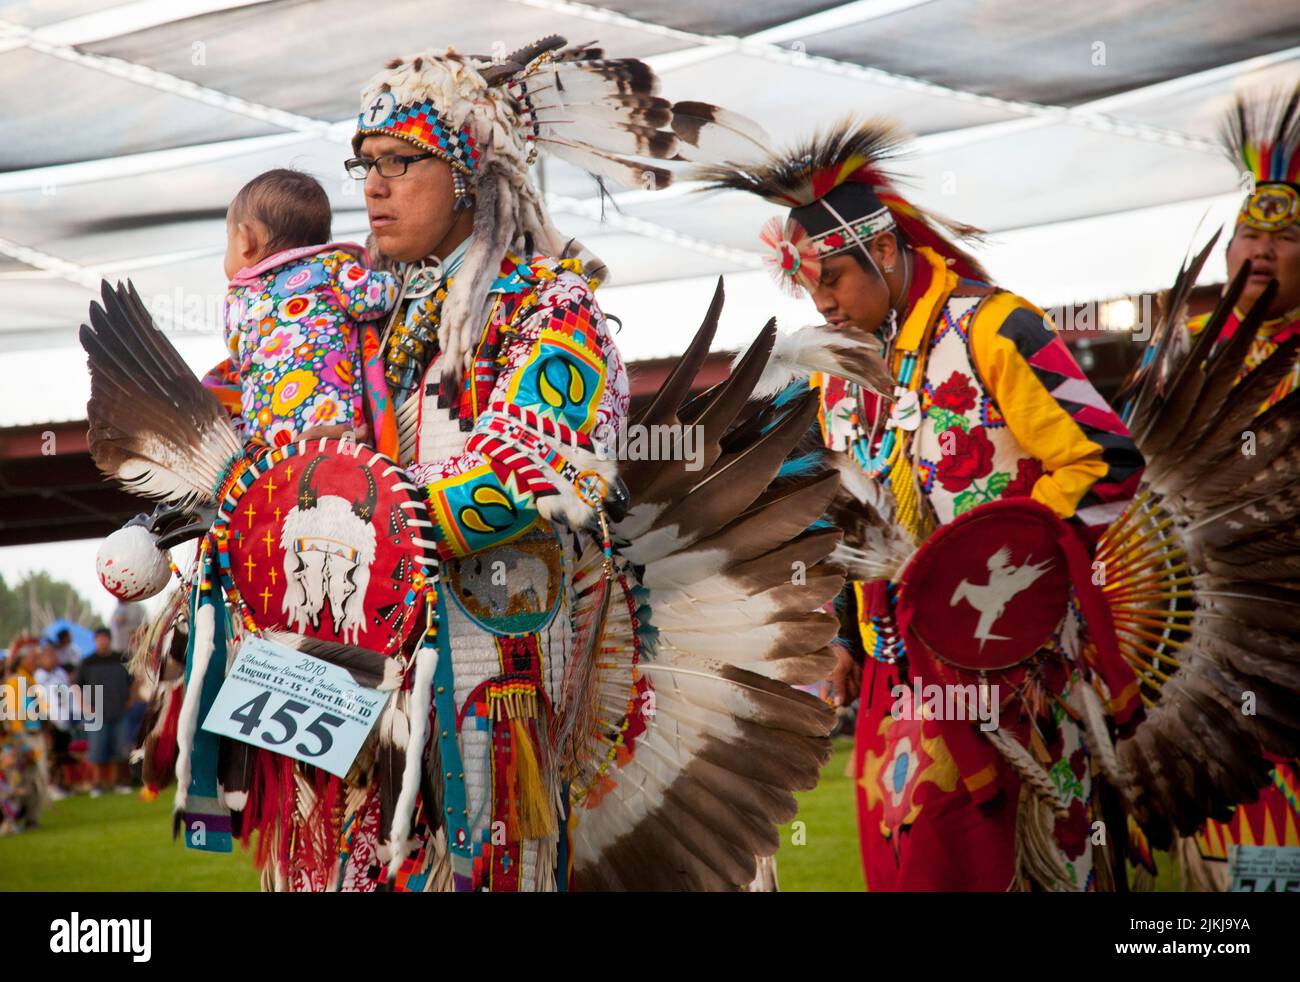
{"x":796,"y":257}
{"x":420,"y":124}
{"x":1272,"y":206}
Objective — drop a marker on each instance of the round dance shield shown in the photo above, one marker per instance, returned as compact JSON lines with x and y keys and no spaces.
{"x":986,"y":591}
{"x":328,"y":538}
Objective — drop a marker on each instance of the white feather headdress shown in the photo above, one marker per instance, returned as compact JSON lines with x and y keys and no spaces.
{"x":490,"y":118}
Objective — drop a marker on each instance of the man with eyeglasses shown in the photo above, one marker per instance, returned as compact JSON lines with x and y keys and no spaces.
{"x":504,"y":375}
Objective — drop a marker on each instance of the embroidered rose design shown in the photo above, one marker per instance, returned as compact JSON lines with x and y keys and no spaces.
{"x":1072,"y":831}
{"x":956,"y":394}
{"x":971,"y":458}
{"x":950,"y":402}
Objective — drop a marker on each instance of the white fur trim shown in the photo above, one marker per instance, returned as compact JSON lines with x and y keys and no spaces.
{"x":426,"y":663}
{"x":204,"y":633}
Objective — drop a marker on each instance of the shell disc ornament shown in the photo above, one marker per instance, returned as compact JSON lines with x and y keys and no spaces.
{"x":131,"y":566}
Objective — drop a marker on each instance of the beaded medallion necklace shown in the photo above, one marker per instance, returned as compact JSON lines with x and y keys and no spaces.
{"x":891,"y":461}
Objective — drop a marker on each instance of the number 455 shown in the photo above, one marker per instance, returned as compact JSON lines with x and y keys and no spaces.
{"x":249,"y":718}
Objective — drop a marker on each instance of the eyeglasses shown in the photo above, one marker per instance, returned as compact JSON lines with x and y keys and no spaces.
{"x":389,"y":165}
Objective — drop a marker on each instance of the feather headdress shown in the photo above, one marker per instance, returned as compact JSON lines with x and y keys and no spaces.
{"x":488,"y":119}
{"x":840,"y":193}
{"x":1262,"y":136}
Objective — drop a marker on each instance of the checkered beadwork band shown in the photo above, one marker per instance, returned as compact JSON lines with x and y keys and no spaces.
{"x":419,"y":124}
{"x":851,"y":234}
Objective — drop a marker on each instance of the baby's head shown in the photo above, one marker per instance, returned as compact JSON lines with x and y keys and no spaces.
{"x":281,"y":209}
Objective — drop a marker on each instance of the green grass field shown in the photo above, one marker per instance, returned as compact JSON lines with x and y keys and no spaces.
{"x":824,"y":855}
{"x":116,"y":842}
{"x":119,"y":842}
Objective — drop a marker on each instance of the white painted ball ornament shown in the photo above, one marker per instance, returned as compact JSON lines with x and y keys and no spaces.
{"x":131,"y":566}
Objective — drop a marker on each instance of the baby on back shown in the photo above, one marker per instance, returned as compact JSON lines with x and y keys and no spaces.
{"x":301,"y":318}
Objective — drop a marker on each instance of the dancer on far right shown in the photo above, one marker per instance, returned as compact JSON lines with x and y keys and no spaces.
{"x":1262,"y":136}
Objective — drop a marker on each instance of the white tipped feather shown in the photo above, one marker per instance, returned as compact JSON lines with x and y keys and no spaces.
{"x":884,"y":559}
{"x":684,"y":569}
{"x":585,"y":81}
{"x":713,"y":135}
{"x":821,"y":348}
{"x":624,"y":138}
{"x":625,"y":173}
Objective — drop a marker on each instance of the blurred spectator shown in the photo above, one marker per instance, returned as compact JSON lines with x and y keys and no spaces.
{"x":22,"y":740}
{"x":20,"y":697}
{"x":109,"y":743}
{"x":56,"y":685}
{"x":126,"y":620}
{"x":13,"y":785}
{"x":69,"y":653}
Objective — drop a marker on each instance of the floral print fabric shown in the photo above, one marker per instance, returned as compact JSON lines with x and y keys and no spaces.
{"x":293,"y":328}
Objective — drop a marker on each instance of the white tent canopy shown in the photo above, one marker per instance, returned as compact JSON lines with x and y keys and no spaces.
{"x":1081,"y":137}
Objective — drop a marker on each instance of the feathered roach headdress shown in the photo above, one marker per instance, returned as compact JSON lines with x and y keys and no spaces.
{"x":488,"y":119}
{"x":840,"y":196}
{"x":1263,"y":136}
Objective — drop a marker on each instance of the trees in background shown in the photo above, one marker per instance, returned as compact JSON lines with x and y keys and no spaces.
{"x":38,"y":600}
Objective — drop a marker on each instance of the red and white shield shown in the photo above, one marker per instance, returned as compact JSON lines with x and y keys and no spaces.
{"x":985,"y":592}
{"x":328,"y":539}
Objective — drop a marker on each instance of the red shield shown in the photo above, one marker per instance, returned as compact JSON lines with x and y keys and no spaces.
{"x":328,"y":539}
{"x":986,"y":591}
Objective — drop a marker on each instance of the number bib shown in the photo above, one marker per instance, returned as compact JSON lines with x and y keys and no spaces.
{"x":1264,"y":869}
{"x":293,"y":704}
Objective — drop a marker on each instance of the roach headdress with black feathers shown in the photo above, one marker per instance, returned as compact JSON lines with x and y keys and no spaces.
{"x":1262,"y":136}
{"x":840,"y":196}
